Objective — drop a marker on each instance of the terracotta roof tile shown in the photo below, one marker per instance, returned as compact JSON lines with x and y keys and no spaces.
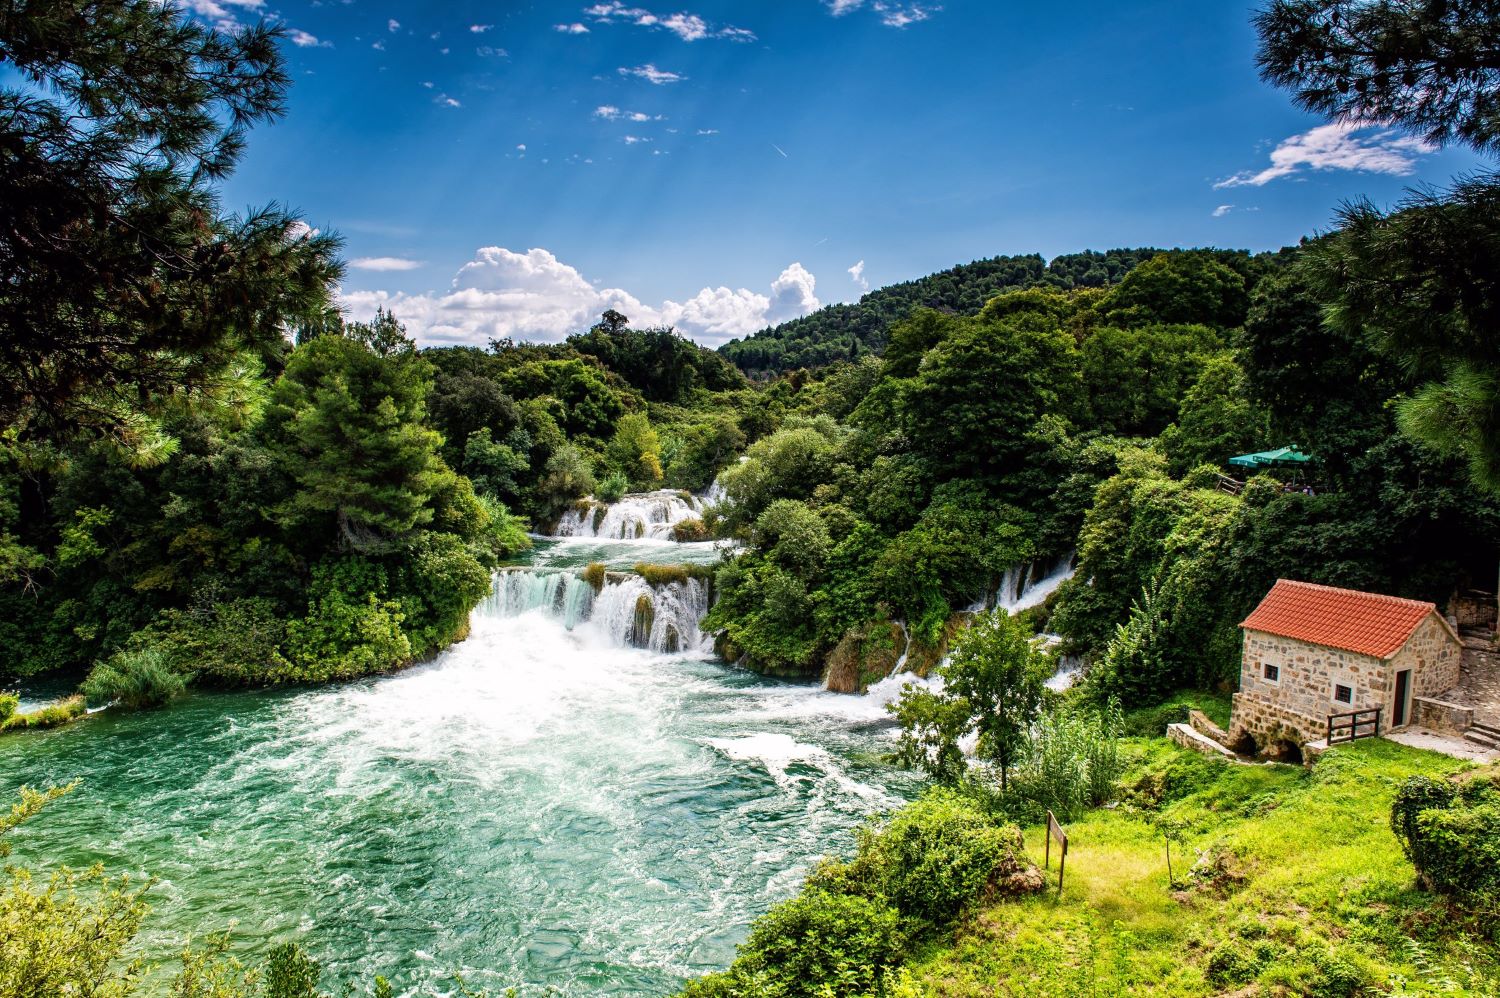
{"x":1367,"y":623}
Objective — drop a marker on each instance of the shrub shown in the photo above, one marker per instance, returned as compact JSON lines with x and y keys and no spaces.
{"x":935,"y":858}
{"x":594,"y":575}
{"x":1072,"y":761}
{"x":817,"y":945}
{"x":1451,"y":833}
{"x":9,"y":703}
{"x":136,"y":679}
{"x":612,"y":488}
{"x":662,"y":575}
{"x":53,"y":715}
{"x":690,"y":530}
{"x":233,"y":642}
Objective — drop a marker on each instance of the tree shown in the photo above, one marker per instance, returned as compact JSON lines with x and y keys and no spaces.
{"x":1431,"y":66}
{"x":121,"y":283}
{"x":346,"y":424}
{"x":635,"y":449}
{"x":1423,"y":282}
{"x":992,"y":689}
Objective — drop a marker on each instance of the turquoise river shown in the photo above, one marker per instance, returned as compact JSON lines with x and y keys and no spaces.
{"x":542,"y":806}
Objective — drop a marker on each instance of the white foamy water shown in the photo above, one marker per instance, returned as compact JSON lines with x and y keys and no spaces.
{"x":540,"y":807}
{"x":648,"y":515}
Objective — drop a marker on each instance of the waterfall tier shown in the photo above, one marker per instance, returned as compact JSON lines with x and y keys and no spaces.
{"x":645,"y":516}
{"x":625,"y":610}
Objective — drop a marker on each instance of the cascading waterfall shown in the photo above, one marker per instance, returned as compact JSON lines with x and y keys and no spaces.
{"x":646,"y":516}
{"x":1027,"y":585}
{"x":627,"y":610}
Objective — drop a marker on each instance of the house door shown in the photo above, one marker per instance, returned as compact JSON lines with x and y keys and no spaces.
{"x":1403,"y":693}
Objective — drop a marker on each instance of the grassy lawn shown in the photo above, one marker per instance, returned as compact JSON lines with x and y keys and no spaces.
{"x":1288,"y":882}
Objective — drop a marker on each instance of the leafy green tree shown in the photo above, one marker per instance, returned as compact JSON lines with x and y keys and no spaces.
{"x":346,"y":424}
{"x":635,"y":449}
{"x":793,"y":536}
{"x":1217,"y":419}
{"x":983,"y":387}
{"x":1181,"y":287}
{"x":1430,"y":66}
{"x":1136,"y":378}
{"x":992,"y":689}
{"x":124,"y":285}
{"x":789,"y":464}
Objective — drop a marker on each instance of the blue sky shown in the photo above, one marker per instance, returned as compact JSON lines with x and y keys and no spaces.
{"x":513,"y":168}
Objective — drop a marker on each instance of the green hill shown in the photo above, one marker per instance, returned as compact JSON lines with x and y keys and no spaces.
{"x":849,"y":331}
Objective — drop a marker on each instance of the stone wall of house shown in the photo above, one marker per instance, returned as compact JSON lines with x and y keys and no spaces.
{"x":1304,"y":689}
{"x":1434,"y":655}
{"x":1267,"y":724}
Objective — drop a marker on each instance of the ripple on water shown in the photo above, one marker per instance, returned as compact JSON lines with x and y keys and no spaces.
{"x":534,"y":807}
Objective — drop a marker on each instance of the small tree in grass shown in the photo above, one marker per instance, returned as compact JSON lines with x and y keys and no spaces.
{"x":992,"y":688}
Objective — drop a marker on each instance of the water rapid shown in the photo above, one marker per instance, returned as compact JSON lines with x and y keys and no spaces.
{"x":540,"y":806}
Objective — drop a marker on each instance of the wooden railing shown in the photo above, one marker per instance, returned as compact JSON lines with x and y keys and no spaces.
{"x":1354,"y":724}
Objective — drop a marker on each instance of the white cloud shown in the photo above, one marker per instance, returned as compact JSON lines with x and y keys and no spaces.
{"x":1223,"y":210}
{"x":535,"y":296}
{"x":571,"y":29}
{"x":305,"y":39}
{"x":891,"y":14}
{"x":393,"y":25}
{"x":489,"y":51}
{"x":378,"y":46}
{"x":857,"y":272}
{"x":384,"y":264}
{"x":688,"y":27}
{"x":447,"y":101}
{"x":631,"y":140}
{"x":611,"y":113}
{"x":1338,"y":146}
{"x":651,"y":74}
{"x":708,"y":131}
{"x":480,"y":29}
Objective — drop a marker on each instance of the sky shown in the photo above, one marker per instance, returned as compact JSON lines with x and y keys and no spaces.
{"x":512,"y":169}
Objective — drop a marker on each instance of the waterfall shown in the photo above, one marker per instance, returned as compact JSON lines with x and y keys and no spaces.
{"x":1026,"y":585}
{"x":647,"y":515}
{"x":626,"y":611}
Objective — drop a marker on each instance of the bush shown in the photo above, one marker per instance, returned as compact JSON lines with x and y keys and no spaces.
{"x":1071,"y":763}
{"x":662,"y":575}
{"x":136,"y":679}
{"x":817,"y":945}
{"x":1451,"y":833}
{"x":934,"y":859}
{"x":9,"y":703}
{"x":233,"y":642}
{"x":595,"y":574}
{"x":51,"y":716}
{"x":612,"y":488}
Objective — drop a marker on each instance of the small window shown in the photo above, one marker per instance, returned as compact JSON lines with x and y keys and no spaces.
{"x":1272,"y":673}
{"x":1342,"y":693}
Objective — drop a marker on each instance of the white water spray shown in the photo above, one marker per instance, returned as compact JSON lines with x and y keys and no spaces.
{"x":648,"y":515}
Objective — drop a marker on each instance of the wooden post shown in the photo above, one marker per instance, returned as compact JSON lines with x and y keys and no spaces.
{"x":1055,"y":831}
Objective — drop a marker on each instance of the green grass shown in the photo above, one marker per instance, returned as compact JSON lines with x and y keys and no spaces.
{"x":1300,"y":889}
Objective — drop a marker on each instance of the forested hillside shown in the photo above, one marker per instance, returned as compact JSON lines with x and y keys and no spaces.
{"x":848,"y":332}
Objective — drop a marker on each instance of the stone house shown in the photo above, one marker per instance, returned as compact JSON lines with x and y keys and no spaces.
{"x":1315,"y":651}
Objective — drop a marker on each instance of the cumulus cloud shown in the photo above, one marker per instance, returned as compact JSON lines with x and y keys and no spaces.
{"x":393,"y":25}
{"x":536,"y":296}
{"x":1223,"y":210}
{"x":857,"y":273}
{"x":384,"y":264}
{"x":480,"y":29}
{"x":651,"y":74}
{"x":571,"y":29}
{"x":1338,"y":146}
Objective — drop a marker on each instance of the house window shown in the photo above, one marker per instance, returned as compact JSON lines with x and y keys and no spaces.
{"x":1271,"y":672}
{"x":1342,"y":693}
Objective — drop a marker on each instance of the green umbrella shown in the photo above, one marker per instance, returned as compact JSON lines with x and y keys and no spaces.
{"x":1281,"y":457}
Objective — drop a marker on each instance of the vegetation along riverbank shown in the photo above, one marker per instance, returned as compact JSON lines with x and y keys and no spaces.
{"x":377,"y":659}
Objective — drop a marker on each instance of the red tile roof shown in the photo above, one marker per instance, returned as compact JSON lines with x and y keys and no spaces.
{"x":1367,"y":623}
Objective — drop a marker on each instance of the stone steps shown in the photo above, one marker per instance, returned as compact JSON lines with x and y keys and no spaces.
{"x":1489,"y":739}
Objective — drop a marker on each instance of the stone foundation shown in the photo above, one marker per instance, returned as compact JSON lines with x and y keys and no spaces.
{"x":1269,"y":723}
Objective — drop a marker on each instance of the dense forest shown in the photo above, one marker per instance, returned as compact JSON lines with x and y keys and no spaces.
{"x":208,"y":476}
{"x":849,"y":332}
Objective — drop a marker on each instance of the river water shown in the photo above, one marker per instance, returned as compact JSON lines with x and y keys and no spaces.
{"x":540,"y":806}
